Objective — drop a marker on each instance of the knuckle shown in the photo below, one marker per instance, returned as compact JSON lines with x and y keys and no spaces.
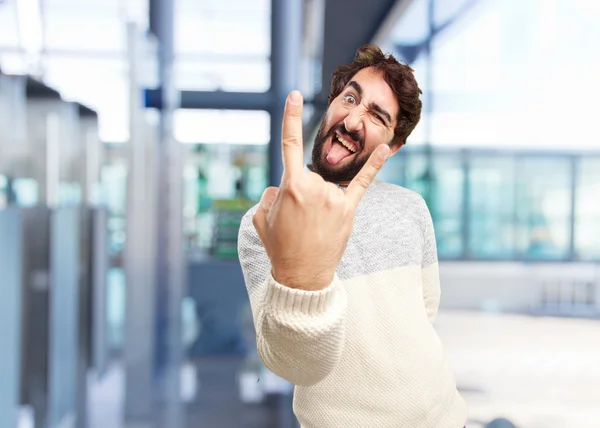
{"x":294,"y":112}
{"x":377,"y":162}
{"x":334,"y":197}
{"x":293,"y":189}
{"x":363,"y":181}
{"x":292,"y":140}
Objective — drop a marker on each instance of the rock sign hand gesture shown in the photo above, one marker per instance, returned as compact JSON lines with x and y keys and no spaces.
{"x":305,"y":224}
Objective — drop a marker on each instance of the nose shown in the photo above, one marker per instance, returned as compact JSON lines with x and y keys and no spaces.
{"x":354,"y":121}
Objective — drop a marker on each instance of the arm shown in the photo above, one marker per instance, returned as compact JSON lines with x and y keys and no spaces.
{"x":430,"y":268}
{"x":299,"y":333}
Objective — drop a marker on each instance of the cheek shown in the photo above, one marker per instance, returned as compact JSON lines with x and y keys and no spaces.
{"x":376,"y":135}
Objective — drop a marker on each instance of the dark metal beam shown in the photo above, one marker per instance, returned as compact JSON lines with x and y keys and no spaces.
{"x":411,"y":52}
{"x":36,"y":89}
{"x":170,"y":258}
{"x":214,"y":100}
{"x":348,"y":25}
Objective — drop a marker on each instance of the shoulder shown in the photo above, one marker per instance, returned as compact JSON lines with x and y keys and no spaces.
{"x":408,"y":200}
{"x":399,"y":205}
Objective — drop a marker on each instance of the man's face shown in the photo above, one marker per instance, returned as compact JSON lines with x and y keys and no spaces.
{"x":361,"y":118}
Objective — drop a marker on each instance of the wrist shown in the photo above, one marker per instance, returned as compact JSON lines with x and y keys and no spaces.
{"x":309,"y":281}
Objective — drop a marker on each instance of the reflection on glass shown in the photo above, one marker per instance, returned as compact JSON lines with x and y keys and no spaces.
{"x":416,"y":164}
{"x":446,"y":204}
{"x":26,"y":191}
{"x":3,"y":191}
{"x":114,"y":188}
{"x":543,"y":208}
{"x":221,"y":183}
{"x":491,"y":207}
{"x":393,"y":169}
{"x":587,"y":209}
{"x":442,"y":188}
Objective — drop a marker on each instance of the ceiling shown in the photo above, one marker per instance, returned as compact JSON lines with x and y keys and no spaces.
{"x":219,"y":45}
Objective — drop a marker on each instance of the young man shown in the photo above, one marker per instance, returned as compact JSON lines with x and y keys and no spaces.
{"x":342,"y":269}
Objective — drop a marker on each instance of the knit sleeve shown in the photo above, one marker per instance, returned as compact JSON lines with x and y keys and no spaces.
{"x":430,"y":267}
{"x":299,"y":333}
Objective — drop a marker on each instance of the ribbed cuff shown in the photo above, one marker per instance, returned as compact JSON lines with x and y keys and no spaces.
{"x":282,"y":298}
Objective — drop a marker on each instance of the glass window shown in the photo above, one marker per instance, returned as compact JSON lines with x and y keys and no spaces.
{"x":393,"y":170}
{"x":239,"y":32}
{"x":223,"y":45}
{"x":415,"y":166}
{"x":413,"y":26}
{"x":95,"y":28}
{"x":98,"y":83}
{"x":222,"y":126}
{"x":587,"y":209}
{"x":491,"y":207}
{"x":449,"y":9}
{"x":446,"y":204}
{"x":443,"y":192}
{"x":221,"y":182}
{"x":490,"y":78}
{"x":9,"y":36}
{"x":543,"y":207}
{"x":3,"y":192}
{"x":234,"y":74}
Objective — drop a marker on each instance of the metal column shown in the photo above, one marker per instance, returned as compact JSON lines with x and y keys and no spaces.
{"x":170,"y":260}
{"x":430,"y":179}
{"x":286,"y":53}
{"x":11,"y":270}
{"x":140,"y":315}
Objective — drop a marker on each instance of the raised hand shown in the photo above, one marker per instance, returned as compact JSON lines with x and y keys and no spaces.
{"x":306,"y":223}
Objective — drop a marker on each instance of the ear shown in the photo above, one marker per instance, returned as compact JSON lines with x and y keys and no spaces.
{"x":395,"y":146}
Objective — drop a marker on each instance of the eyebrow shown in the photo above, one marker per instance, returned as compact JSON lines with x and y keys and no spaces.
{"x":373,"y":106}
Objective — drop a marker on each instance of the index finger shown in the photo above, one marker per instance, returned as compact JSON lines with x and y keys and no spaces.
{"x":291,"y":135}
{"x":359,"y":185}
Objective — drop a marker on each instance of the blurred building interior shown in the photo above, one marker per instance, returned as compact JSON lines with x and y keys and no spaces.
{"x":135,"y":134}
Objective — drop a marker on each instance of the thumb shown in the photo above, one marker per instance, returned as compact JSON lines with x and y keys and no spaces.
{"x":259,"y":219}
{"x":267,"y":198}
{"x":361,"y":182}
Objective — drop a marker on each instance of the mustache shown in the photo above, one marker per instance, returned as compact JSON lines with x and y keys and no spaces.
{"x":354,"y":136}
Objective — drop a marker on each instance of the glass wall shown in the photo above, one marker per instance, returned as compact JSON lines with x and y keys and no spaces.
{"x":543,"y":208}
{"x":587,"y":209}
{"x":225,"y":174}
{"x":493,"y":205}
{"x":221,"y":183}
{"x":238,"y":62}
{"x":514,"y":84}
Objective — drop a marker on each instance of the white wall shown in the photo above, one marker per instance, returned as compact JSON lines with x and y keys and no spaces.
{"x":517,"y":287}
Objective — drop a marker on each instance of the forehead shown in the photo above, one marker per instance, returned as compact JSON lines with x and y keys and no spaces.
{"x":376,"y":90}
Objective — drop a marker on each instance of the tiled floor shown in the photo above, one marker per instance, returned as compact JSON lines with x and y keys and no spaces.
{"x":536,"y":372}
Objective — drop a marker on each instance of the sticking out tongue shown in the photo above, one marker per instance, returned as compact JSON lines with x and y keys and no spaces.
{"x":337,"y":153}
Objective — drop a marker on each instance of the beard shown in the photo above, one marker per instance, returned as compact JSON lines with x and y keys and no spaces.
{"x":336,"y":173}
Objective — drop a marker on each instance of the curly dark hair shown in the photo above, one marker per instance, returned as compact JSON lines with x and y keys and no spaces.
{"x":400,"y":77}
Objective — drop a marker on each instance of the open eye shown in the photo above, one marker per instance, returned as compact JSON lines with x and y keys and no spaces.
{"x":350,"y":99}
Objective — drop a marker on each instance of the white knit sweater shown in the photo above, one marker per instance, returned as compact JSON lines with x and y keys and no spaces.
{"x":362,"y":352}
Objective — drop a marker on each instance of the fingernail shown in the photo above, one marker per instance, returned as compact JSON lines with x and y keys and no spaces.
{"x":296,"y":97}
{"x":384,"y":151}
